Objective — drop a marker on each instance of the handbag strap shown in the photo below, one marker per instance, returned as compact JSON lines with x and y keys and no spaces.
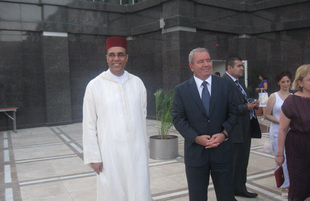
{"x":263,"y":91}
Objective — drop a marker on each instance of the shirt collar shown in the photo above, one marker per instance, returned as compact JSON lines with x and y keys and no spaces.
{"x":200,"y":81}
{"x":119,"y":79}
{"x":232,"y":77}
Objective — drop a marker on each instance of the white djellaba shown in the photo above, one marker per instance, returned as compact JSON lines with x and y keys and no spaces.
{"x":114,"y":133}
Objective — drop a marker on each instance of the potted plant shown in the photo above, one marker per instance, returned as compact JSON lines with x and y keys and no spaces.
{"x":163,"y":146}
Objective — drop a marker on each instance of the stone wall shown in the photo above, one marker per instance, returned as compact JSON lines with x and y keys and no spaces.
{"x":50,"y":49}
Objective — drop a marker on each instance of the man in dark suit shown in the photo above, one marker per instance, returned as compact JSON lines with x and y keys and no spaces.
{"x":246,"y":127}
{"x":204,"y":113}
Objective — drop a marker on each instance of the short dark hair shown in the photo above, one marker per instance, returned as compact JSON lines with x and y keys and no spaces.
{"x":282,"y":74}
{"x":263,"y":75}
{"x":230,"y":61}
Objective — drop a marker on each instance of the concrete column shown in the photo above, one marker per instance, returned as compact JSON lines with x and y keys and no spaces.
{"x":57,"y":77}
{"x":178,"y":34}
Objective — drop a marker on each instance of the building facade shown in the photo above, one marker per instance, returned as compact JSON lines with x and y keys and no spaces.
{"x":51,"y":49}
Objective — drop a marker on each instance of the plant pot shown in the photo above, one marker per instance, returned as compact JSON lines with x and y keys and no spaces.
{"x":163,"y":149}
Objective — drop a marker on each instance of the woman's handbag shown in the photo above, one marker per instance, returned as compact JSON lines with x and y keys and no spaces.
{"x":263,"y":97}
{"x":279,"y":176}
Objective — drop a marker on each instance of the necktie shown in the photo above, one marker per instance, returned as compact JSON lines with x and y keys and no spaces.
{"x":205,"y":96}
{"x":242,"y":90}
{"x":245,"y":96}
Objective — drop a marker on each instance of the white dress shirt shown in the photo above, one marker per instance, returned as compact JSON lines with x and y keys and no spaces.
{"x":200,"y":86}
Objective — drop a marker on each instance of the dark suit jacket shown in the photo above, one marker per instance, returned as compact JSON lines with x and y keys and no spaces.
{"x":191,"y":120}
{"x":244,"y":126}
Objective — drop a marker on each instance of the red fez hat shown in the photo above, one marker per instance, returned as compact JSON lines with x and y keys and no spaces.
{"x":116,"y":42}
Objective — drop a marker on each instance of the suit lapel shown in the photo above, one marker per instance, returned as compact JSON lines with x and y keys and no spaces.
{"x":235,"y":86}
{"x":215,"y":90}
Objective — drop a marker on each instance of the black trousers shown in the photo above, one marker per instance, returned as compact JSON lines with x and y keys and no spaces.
{"x":241,"y":153}
{"x":198,"y":181}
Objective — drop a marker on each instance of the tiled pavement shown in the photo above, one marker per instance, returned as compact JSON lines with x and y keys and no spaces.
{"x":45,"y":164}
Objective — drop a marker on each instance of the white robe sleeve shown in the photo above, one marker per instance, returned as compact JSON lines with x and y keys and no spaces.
{"x":144,"y":100}
{"x":90,"y":140}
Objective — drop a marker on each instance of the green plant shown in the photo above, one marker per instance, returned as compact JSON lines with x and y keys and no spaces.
{"x":163,"y":112}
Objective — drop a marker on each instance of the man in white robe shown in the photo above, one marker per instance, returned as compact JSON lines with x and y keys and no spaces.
{"x":114,"y":129}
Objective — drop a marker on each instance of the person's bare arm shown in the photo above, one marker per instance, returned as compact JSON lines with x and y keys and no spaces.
{"x":283,"y":127}
{"x":268,"y":113}
{"x":265,"y":86}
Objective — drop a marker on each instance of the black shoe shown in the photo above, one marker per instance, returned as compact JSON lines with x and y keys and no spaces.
{"x":246,"y":194}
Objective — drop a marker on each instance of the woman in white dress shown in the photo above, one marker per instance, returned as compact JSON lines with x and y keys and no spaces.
{"x":273,"y":109}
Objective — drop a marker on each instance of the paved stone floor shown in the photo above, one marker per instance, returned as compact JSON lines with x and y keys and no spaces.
{"x":45,"y":164}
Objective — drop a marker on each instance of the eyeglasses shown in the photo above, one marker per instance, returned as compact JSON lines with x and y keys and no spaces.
{"x":119,"y":55}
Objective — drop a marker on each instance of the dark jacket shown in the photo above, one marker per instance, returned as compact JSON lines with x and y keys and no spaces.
{"x":244,"y":126}
{"x":191,"y":120}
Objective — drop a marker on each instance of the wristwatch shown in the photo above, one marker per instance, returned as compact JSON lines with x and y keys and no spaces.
{"x":226,"y":136}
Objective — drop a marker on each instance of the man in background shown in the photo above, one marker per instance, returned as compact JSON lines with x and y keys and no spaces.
{"x":217,"y":74}
{"x":246,"y":127}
